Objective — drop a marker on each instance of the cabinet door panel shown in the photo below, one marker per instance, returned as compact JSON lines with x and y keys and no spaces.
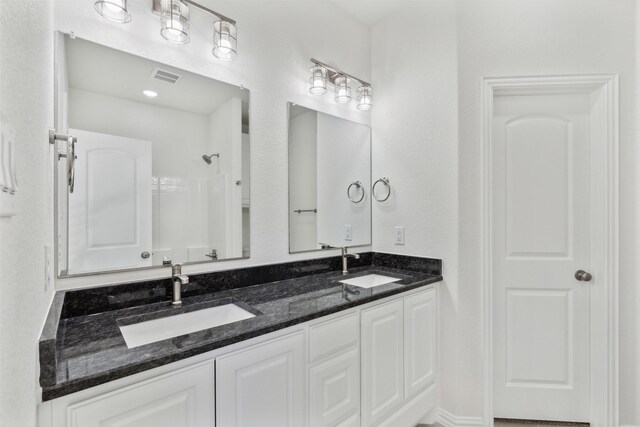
{"x":382,"y":371}
{"x":419,"y":342}
{"x":181,"y":399}
{"x":263,"y":385}
{"x":335,"y":390}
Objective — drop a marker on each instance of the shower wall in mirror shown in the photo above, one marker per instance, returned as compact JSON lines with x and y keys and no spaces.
{"x":329,"y":181}
{"x":162,"y":163}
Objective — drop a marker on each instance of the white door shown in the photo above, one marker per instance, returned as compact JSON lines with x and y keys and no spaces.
{"x":382,"y":361}
{"x":110,"y":209}
{"x":263,"y":386}
{"x":540,"y":238}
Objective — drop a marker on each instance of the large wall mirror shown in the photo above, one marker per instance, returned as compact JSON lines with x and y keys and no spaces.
{"x":161,"y":171}
{"x":329,"y":181}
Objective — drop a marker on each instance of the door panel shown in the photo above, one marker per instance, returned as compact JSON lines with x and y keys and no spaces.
{"x":419,"y":342}
{"x":263,"y":385}
{"x":382,"y":361}
{"x":540,"y":238}
{"x":110,"y":209}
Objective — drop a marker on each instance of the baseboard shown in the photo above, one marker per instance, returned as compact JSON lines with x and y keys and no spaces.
{"x":411,"y":413}
{"x":447,"y":419}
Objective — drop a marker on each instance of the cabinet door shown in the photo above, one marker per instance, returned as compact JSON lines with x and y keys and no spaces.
{"x":180,"y":399}
{"x":263,"y":385}
{"x":419,"y":342}
{"x":335,"y":390}
{"x":382,"y":373}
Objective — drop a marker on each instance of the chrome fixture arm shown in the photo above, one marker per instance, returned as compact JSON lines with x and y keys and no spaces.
{"x":336,"y":72}
{"x":70,"y":155}
{"x":178,"y":280}
{"x":157,"y":8}
{"x":345,"y":256}
{"x":306,"y":210}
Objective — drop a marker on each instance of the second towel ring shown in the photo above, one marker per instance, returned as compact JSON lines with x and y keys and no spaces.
{"x":357,"y":184}
{"x":385,"y":181}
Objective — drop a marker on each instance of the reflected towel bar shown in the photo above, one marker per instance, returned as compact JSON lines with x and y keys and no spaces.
{"x":306,"y":210}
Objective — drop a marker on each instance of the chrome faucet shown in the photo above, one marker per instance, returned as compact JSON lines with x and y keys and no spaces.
{"x":345,"y":255}
{"x":178,"y":280}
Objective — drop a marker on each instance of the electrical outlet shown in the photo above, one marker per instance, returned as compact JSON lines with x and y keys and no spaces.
{"x":399,"y":237}
{"x":47,"y":267}
{"x":348,"y":233}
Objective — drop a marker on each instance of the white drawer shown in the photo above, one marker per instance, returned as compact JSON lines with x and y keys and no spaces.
{"x":336,"y":335}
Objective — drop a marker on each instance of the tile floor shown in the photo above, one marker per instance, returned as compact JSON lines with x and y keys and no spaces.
{"x":504,"y":423}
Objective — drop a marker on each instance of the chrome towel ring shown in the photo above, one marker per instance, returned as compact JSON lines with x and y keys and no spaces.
{"x":385,"y":181}
{"x":358,"y":185}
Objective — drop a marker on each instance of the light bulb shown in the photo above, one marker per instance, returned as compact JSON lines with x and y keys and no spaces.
{"x":342,"y":91}
{"x":225,"y":40}
{"x":174,"y":21}
{"x":318,"y":80}
{"x":114,"y":10}
{"x":365,"y":98}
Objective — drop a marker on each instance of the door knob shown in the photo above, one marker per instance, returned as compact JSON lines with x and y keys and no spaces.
{"x":145,"y":255}
{"x":583,"y":276}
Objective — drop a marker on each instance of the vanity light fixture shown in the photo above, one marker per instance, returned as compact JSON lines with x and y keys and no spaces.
{"x":318,"y":80}
{"x":114,"y":10}
{"x":174,"y":21}
{"x":342,"y":90}
{"x":225,"y":40}
{"x":365,"y":98}
{"x":322,"y":73}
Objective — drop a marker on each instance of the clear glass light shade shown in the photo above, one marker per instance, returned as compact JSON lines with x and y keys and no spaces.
{"x":114,"y":10}
{"x":225,"y":40}
{"x":175,"y":21}
{"x":365,"y":98}
{"x":318,"y":80}
{"x":343,"y":91}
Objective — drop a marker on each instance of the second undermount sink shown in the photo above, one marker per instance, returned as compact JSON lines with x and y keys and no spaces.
{"x":370,"y":280}
{"x":150,"y":331}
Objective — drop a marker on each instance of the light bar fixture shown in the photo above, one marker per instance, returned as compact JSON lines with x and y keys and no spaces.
{"x":321,"y":74}
{"x":175,"y":20}
{"x":114,"y":10}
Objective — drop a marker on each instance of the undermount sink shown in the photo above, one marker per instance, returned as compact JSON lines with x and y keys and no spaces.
{"x":370,"y":280}
{"x":150,"y":331}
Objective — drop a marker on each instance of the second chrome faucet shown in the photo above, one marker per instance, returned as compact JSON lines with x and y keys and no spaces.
{"x":178,"y":280}
{"x":345,"y":256}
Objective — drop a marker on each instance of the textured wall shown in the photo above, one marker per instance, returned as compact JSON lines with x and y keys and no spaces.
{"x":275,"y":41}
{"x":26,"y":99}
{"x":427,"y":66}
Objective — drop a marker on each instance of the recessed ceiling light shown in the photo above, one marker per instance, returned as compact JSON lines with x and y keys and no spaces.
{"x":150,"y":93}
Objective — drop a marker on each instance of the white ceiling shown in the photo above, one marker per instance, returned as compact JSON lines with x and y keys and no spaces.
{"x":101,"y":69}
{"x":368,"y":12}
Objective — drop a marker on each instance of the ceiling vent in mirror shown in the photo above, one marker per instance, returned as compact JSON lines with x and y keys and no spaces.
{"x":165,"y":76}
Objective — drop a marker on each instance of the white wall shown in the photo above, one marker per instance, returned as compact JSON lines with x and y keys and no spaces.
{"x":26,"y":99}
{"x":181,"y":177}
{"x":344,"y":157}
{"x":275,"y":41}
{"x":415,"y":146}
{"x":426,"y":59}
{"x":303,"y":181}
{"x":225,"y":200}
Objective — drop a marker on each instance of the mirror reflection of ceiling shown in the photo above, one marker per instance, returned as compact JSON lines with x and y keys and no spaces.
{"x":96,"y":68}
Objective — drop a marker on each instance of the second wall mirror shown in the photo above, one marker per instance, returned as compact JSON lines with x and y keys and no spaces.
{"x":329,"y":181}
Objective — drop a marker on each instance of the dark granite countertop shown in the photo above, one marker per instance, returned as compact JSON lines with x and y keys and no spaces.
{"x":84,"y":348}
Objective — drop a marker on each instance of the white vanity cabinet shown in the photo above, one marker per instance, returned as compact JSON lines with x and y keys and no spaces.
{"x":334,"y":371}
{"x":263,"y":385}
{"x":368,"y":366}
{"x":398,"y":354}
{"x":183,"y":398}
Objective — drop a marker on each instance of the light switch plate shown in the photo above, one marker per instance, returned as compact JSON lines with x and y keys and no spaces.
{"x":399,"y":236}
{"x":348,"y":233}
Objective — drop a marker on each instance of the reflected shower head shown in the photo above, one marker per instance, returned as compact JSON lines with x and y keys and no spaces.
{"x":208,"y":158}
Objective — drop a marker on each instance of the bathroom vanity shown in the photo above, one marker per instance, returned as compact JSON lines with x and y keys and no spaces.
{"x":311,"y":351}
